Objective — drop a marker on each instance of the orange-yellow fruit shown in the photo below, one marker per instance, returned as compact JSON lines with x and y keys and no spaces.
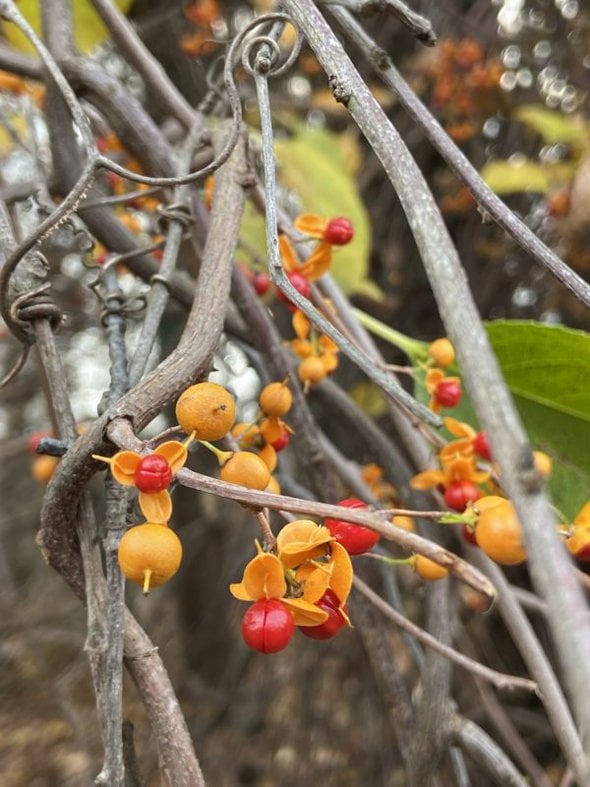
{"x":543,"y":463}
{"x":311,"y":370}
{"x":442,"y":352}
{"x":207,"y":409}
{"x":428,"y":569}
{"x":499,"y":533}
{"x":269,"y":457}
{"x":405,"y":522}
{"x":150,"y":554}
{"x":44,"y":467}
{"x":271,"y":429}
{"x":273,"y":486}
{"x":275,"y":399}
{"x":246,"y":469}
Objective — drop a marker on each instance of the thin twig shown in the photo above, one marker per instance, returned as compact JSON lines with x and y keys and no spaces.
{"x":539,"y":667}
{"x":498,"y":679}
{"x":457,"y":161}
{"x":418,"y":25}
{"x":278,"y":275}
{"x":486,"y":753}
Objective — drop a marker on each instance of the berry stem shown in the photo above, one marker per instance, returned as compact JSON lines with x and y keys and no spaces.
{"x":416,"y":350}
{"x":222,"y":456}
{"x":147,"y":576}
{"x":391,"y":561}
{"x":269,"y":542}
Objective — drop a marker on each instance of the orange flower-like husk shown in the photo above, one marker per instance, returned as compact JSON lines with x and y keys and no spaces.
{"x":433,"y":378}
{"x":330,"y":361}
{"x":264,"y":577}
{"x":156,"y":506}
{"x":315,"y":578}
{"x":301,"y":324}
{"x":288,"y":256}
{"x":310,"y":224}
{"x":457,"y":449}
{"x":304,"y":613}
{"x":174,"y":452}
{"x":317,"y":263}
{"x":428,"y":479}
{"x":123,"y":467}
{"x":459,"y":428}
{"x":301,"y":348}
{"x":302,"y":540}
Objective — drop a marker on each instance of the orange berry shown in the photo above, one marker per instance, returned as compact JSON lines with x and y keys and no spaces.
{"x":273,"y":486}
{"x":150,"y":554}
{"x":246,"y":469}
{"x":44,"y":467}
{"x":442,"y":352}
{"x":498,"y":532}
{"x":405,"y":522}
{"x":269,"y":457}
{"x":428,"y":569}
{"x":275,"y":399}
{"x":271,"y":429}
{"x":207,"y":409}
{"x":311,"y":370}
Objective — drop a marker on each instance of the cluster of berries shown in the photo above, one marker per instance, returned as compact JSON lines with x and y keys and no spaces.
{"x":150,"y":553}
{"x":269,"y":434}
{"x":445,"y":392}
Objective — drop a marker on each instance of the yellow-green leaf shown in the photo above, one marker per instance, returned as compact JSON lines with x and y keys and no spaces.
{"x":552,"y":125}
{"x":88,"y":27}
{"x":316,"y":167}
{"x":510,"y":177}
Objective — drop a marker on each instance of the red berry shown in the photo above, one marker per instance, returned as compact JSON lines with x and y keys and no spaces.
{"x":448,"y":393}
{"x":302,"y":286}
{"x":333,"y":623}
{"x":460,"y":493}
{"x":261,"y":283}
{"x":153,"y":474}
{"x":338,"y":231}
{"x":268,"y":626}
{"x":283,"y":441}
{"x":356,"y":539}
{"x":481,"y":446}
{"x":34,"y":440}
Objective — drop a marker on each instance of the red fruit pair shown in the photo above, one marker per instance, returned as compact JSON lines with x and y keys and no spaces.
{"x":268,"y":626}
{"x":448,"y":393}
{"x":334,"y":622}
{"x":153,"y":474}
{"x":460,"y":493}
{"x":356,"y":539}
{"x":339,"y":231}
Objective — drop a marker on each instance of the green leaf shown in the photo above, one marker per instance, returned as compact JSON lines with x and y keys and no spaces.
{"x":314,"y":165}
{"x":546,"y":368}
{"x":552,"y":125}
{"x":88,"y":27}
{"x":511,"y":177}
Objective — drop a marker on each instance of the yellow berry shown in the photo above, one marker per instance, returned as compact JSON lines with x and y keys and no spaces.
{"x":246,"y":469}
{"x":428,"y":569}
{"x":275,"y":400}
{"x":247,"y":435}
{"x":543,"y":463}
{"x":150,"y":554}
{"x":442,"y":352}
{"x":311,"y":370}
{"x":207,"y":409}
